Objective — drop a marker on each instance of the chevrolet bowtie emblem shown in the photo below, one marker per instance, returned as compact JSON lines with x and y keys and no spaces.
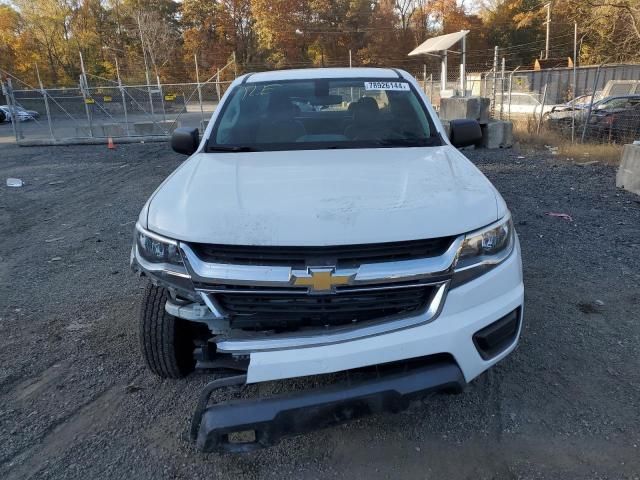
{"x":320,"y":280}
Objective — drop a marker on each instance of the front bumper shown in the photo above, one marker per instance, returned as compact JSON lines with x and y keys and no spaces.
{"x":467,"y":309}
{"x":270,"y":419}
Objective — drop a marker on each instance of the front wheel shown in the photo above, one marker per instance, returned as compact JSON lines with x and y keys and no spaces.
{"x":166,"y":341}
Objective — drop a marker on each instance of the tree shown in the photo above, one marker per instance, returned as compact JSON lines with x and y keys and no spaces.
{"x":10,"y":27}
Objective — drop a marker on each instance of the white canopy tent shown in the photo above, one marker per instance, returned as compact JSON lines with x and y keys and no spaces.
{"x":439,"y":47}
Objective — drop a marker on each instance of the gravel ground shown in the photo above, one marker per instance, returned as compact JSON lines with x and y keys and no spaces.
{"x":77,"y":402}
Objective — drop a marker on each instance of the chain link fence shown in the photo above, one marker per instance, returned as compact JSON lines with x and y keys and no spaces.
{"x":101,"y":108}
{"x":110,"y":109}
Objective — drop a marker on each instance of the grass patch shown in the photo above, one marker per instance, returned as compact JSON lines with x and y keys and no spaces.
{"x":607,"y":153}
{"x":525,"y":132}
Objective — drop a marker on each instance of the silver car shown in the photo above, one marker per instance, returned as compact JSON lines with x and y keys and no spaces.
{"x":21,"y":114}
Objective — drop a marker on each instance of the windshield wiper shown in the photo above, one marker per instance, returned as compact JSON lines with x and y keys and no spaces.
{"x":230,"y":148}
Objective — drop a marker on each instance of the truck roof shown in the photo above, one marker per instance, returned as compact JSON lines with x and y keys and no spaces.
{"x":313,"y":73}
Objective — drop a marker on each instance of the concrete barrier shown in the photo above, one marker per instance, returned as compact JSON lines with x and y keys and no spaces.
{"x":151,"y":128}
{"x":40,"y":142}
{"x":497,"y":134}
{"x":113,"y":130}
{"x":628,"y":176}
{"x":472,"y":108}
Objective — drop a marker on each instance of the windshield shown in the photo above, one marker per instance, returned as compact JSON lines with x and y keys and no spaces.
{"x":323,"y":113}
{"x":620,"y":102}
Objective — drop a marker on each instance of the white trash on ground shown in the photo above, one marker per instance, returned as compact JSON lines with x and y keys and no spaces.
{"x":14,"y":182}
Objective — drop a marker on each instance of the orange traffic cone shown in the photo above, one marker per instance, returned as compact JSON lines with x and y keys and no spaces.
{"x":110,"y":144}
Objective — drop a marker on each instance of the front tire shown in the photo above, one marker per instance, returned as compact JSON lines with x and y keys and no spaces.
{"x":166,"y":341}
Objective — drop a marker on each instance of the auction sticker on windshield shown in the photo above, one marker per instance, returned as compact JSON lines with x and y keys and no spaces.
{"x":401,"y":86}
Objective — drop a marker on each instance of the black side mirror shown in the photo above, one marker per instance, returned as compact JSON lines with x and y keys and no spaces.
{"x":185,"y":140}
{"x":465,"y":132}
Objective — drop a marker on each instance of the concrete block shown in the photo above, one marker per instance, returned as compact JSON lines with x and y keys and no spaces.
{"x":485,"y":110}
{"x":154,"y":128}
{"x":472,"y":108}
{"x":82,"y":132}
{"x":497,"y":134}
{"x":448,"y":93}
{"x":628,"y":176}
{"x":113,"y":130}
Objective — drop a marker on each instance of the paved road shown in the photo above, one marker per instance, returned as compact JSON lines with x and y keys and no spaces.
{"x":76,"y":401}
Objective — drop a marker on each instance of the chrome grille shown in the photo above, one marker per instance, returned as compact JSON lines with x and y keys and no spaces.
{"x":257,"y":288}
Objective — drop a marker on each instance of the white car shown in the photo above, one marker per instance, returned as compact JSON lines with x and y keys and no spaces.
{"x":352,"y":238}
{"x":522,"y":104}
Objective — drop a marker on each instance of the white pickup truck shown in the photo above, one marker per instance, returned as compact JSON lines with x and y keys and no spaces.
{"x":325,"y":223}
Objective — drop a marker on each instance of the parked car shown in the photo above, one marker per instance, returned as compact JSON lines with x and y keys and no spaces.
{"x":579,"y":103}
{"x":562,"y":120}
{"x":22,"y":114}
{"x":353,"y":237}
{"x":617,"y":120}
{"x":3,"y":117}
{"x":522,"y":104}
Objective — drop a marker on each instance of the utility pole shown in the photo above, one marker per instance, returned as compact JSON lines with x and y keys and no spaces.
{"x":548,"y":23}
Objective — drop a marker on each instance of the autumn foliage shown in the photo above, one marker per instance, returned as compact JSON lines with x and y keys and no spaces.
{"x":265,"y":34}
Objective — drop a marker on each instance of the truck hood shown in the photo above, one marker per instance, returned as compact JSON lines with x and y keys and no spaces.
{"x":323,"y":197}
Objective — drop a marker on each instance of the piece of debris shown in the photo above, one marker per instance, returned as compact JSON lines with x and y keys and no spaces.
{"x":588,"y":307}
{"x":587,"y":164}
{"x":55,"y":259}
{"x":57,"y":182}
{"x":132,"y":388}
{"x":14,"y":182}
{"x":564,"y":216}
{"x":54,"y":239}
{"x":599,"y":303}
{"x":552,"y":150}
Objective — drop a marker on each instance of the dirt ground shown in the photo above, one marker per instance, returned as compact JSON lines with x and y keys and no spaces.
{"x":77,"y":402}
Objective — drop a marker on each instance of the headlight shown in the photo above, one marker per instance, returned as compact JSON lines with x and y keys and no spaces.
{"x":483,"y":249}
{"x":156,"y":249}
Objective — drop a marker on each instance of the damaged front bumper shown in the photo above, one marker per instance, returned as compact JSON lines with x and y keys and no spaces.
{"x":267,"y":420}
